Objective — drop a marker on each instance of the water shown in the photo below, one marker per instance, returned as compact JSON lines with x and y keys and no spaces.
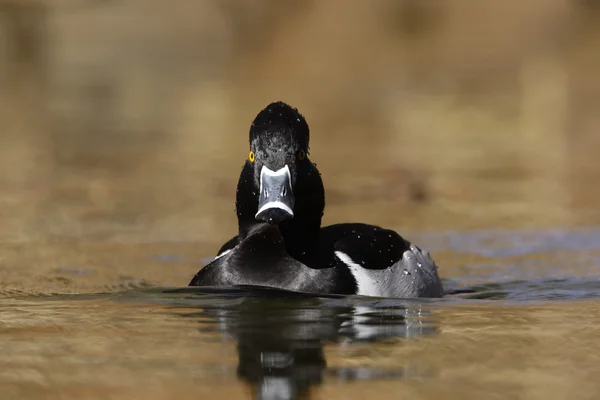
{"x":523,"y":323}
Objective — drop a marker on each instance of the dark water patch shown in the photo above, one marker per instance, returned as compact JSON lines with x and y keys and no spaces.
{"x":168,"y":258}
{"x":74,"y":271}
{"x":130,"y":282}
{"x":522,"y":265}
{"x":559,"y":289}
{"x":512,"y":243}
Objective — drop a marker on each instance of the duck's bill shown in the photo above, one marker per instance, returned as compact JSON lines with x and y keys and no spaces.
{"x":276,"y":199}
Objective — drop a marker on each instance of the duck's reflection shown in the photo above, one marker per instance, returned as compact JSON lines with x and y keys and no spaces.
{"x":281,"y":336}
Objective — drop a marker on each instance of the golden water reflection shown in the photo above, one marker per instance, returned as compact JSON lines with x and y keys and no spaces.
{"x":99,"y":348}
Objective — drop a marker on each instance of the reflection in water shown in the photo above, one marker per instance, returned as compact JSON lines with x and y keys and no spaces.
{"x":281,"y":335}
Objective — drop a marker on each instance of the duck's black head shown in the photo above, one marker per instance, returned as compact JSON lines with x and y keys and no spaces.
{"x":279,"y":184}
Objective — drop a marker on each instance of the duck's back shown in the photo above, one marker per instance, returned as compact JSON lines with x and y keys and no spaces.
{"x":381,"y":262}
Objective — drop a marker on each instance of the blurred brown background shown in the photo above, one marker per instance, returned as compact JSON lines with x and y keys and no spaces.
{"x":128,"y":119}
{"x":123,"y":129}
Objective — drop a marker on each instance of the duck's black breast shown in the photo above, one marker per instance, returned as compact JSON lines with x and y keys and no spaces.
{"x":260,"y":259}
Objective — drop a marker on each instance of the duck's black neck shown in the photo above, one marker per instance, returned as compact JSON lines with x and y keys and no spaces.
{"x":300,"y":233}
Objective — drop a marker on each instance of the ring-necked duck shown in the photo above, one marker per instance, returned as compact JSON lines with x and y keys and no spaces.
{"x":279,"y":204}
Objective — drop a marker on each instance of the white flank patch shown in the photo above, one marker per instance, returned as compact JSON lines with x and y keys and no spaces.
{"x":366,"y":285}
{"x":223,"y":253}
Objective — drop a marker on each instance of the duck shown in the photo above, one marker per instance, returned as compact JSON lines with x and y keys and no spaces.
{"x":280,"y":202}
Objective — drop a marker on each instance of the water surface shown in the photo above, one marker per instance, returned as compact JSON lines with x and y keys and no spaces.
{"x":524,"y":325}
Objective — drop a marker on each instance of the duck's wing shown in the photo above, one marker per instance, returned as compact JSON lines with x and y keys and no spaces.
{"x":261,"y":260}
{"x":383,"y":263}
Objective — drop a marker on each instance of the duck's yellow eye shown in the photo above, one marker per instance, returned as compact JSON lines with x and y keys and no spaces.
{"x":251,"y":156}
{"x":301,"y":155}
